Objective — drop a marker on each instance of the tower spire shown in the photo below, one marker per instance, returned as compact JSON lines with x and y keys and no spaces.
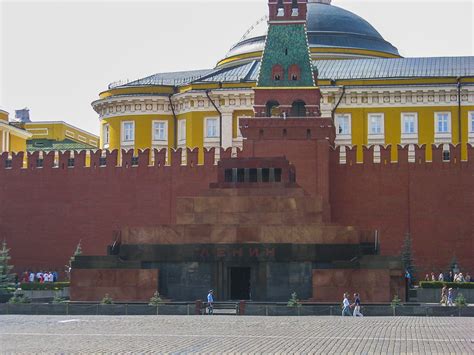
{"x":286,"y":86}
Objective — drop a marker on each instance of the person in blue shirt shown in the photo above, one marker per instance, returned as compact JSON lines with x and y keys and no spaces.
{"x":210,"y":301}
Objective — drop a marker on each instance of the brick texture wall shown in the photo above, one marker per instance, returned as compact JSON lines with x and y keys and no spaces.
{"x":44,"y":212}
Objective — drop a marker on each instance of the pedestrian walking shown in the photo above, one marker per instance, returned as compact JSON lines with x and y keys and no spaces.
{"x":356,"y":306}
{"x":450,"y":297}
{"x":346,"y":306}
{"x":444,"y":295}
{"x":210,"y":302}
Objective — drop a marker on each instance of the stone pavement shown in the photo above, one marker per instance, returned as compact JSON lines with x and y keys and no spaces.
{"x":233,"y":334}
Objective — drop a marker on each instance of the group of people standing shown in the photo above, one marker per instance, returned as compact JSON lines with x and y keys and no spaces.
{"x":40,"y":276}
{"x":449,"y":277}
{"x":347,"y":306}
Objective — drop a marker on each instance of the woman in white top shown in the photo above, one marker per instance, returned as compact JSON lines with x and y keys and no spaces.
{"x":346,"y":306}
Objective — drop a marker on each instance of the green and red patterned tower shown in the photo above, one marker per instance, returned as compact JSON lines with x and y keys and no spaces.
{"x":286,"y":85}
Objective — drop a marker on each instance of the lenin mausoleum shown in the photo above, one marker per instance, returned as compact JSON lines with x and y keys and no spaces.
{"x":299,"y":163}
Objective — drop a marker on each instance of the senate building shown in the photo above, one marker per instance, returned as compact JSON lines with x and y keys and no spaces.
{"x":307,"y":160}
{"x":374,"y":95}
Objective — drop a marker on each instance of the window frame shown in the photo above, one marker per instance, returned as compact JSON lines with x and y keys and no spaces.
{"x":409,"y":137}
{"x":470,"y":129}
{"x":156,"y":140}
{"x":449,"y":123}
{"x":377,"y":137}
{"x":124,"y":141}
{"x":442,"y":137}
{"x":106,"y":134}
{"x":349,"y":124}
{"x":206,"y":128}
{"x":182,"y":131}
{"x":382,"y":124}
{"x":470,"y":120}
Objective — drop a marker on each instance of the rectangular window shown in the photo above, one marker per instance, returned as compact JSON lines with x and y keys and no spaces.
{"x":443,"y":122}
{"x":343,"y":124}
{"x":106,"y":134}
{"x":376,"y":124}
{"x":160,"y":130}
{"x":471,"y":122}
{"x":128,"y":132}
{"x":409,"y":123}
{"x":182,"y":130}
{"x":212,"y":128}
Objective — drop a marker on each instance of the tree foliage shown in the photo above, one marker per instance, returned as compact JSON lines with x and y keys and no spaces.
{"x":294,"y":301}
{"x":7,"y":279}
{"x":155,"y":300}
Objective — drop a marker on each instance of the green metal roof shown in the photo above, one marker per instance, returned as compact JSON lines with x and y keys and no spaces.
{"x":46,"y":145}
{"x":286,"y":44}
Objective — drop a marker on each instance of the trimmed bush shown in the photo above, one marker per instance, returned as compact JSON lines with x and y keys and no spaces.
{"x":440,"y":284}
{"x":47,"y":286}
{"x":19,"y":297}
{"x":107,"y":299}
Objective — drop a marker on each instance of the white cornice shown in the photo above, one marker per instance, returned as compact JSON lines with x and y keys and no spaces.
{"x":15,"y":131}
{"x":228,"y":100}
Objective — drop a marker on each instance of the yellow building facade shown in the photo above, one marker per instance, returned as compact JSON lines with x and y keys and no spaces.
{"x":26,"y":136}
{"x":12,"y":139}
{"x":58,"y":135}
{"x":375,"y":96}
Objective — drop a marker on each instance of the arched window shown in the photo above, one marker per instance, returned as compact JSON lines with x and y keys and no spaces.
{"x":294,"y":72}
{"x":277,"y":72}
{"x":280,"y":9}
{"x":298,"y":109}
{"x":294,"y":8}
{"x":273,"y":109}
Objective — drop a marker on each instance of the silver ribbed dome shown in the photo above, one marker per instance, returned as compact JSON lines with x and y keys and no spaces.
{"x":328,"y":27}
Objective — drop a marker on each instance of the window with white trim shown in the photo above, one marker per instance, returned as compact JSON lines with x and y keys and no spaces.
{"x":128,"y":132}
{"x":182,"y":131}
{"x":160,"y":131}
{"x":212,"y":128}
{"x":409,"y":128}
{"x":106,"y":134}
{"x":343,"y":125}
{"x":376,"y":124}
{"x":443,"y":122}
{"x":409,"y":123}
{"x":471,"y":122}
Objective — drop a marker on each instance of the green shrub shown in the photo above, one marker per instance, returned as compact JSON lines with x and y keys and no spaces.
{"x":6,"y":278}
{"x":107,"y":299}
{"x":294,"y":301}
{"x":36,"y":286}
{"x":396,"y":301}
{"x":440,"y":284}
{"x":58,"y":299}
{"x":19,"y":297}
{"x":155,"y":300}
{"x":460,"y":301}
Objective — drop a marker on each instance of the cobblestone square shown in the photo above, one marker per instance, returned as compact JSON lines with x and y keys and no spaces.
{"x":233,"y":334}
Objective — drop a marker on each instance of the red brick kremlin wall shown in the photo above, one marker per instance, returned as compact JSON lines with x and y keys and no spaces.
{"x":44,"y":212}
{"x":434,"y":201}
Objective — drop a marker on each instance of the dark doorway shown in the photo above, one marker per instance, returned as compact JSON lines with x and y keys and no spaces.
{"x":298,"y":109}
{"x":239,"y":283}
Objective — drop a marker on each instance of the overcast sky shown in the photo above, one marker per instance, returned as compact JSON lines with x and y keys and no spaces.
{"x":57,"y":56}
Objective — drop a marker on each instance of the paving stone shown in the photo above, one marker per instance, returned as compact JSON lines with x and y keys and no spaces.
{"x":234,"y":334}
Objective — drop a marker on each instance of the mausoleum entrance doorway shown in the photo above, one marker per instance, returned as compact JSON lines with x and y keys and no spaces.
{"x":239,"y":284}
